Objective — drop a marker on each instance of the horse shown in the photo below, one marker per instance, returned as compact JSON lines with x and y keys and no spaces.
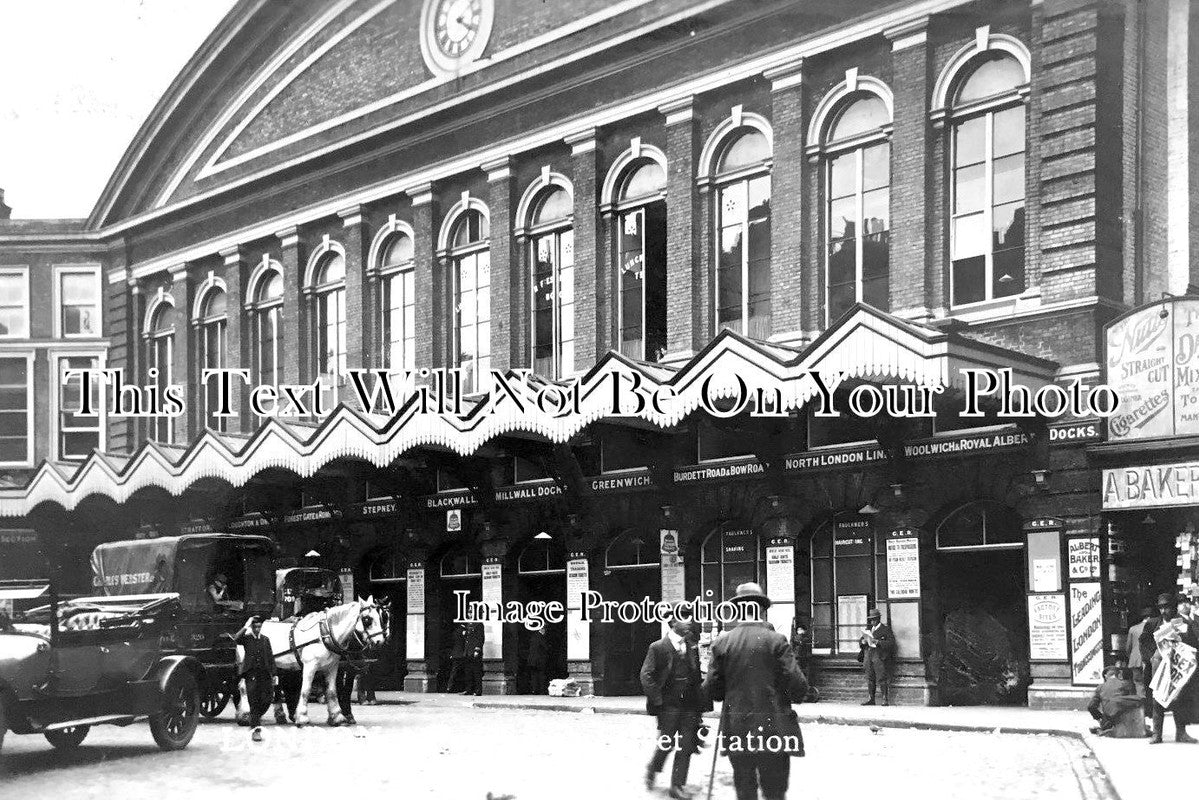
{"x":315,"y":643}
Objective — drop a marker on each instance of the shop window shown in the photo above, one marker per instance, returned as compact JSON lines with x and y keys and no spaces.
{"x":398,"y":303}
{"x":633,"y":549}
{"x":729,"y":557}
{"x":742,"y":189}
{"x":846,"y":578}
{"x":470,"y":263}
{"x":329,"y":335}
{"x":541,"y":556}
{"x":16,"y":411}
{"x":461,"y":563}
{"x":980,"y":524}
{"x":640,"y":251}
{"x":987,"y":141}
{"x":14,"y":303}
{"x":265,"y":313}
{"x":211,"y":328}
{"x":158,"y":352}
{"x":552,"y":260}
{"x":78,"y":435}
{"x":858,"y":205}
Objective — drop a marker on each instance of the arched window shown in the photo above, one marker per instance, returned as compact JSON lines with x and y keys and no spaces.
{"x":848,"y":574}
{"x":398,"y":302}
{"x":858,"y":204}
{"x":542,"y":557}
{"x":266,"y":308}
{"x":552,"y":268}
{"x":158,"y":354}
{"x":640,"y":256}
{"x":742,"y":179}
{"x":980,"y":525}
{"x":211,"y":323}
{"x":329,"y":290}
{"x":987,"y":142}
{"x":388,"y":566}
{"x":461,"y":562}
{"x":633,"y":549}
{"x":729,"y":557}
{"x":470,"y":265}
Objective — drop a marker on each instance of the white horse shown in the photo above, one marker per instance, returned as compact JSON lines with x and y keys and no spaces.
{"x":315,"y":643}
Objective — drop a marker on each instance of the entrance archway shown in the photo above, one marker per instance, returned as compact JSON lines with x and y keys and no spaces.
{"x":387,"y":573}
{"x":632,"y":570}
{"x":981,"y":597}
{"x":541,"y":576}
{"x":460,"y":569}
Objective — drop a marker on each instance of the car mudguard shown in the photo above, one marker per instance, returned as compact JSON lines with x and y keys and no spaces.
{"x":168,"y":666}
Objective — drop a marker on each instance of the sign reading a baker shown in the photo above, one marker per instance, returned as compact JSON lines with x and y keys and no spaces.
{"x":1153,"y":365}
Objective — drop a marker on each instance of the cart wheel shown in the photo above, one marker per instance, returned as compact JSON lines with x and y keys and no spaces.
{"x":214,"y":702}
{"x":68,"y":738}
{"x":175,"y":725}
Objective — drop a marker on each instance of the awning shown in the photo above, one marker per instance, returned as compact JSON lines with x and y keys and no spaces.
{"x":864,"y":344}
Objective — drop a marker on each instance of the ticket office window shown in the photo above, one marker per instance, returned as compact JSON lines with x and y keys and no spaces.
{"x":848,"y":578}
{"x":728,"y":558}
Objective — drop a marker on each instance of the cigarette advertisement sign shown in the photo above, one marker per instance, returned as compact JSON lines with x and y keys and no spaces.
{"x":1153,"y":365}
{"x":1086,"y":633}
{"x":1047,"y":627}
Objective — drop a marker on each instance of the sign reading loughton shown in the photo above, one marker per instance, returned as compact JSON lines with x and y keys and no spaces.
{"x":1153,"y":366}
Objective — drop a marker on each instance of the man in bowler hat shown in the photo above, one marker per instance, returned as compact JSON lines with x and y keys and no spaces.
{"x":878,"y":651}
{"x":674,"y":694}
{"x":753,"y":671}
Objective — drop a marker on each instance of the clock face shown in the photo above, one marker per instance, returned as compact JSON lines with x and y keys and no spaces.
{"x":455,"y":32}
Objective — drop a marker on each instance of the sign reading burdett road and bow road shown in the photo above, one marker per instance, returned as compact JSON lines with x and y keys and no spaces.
{"x":1153,"y":365}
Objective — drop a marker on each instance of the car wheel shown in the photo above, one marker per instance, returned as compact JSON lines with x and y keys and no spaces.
{"x":174,"y":726}
{"x":214,"y":703}
{"x":68,"y":738}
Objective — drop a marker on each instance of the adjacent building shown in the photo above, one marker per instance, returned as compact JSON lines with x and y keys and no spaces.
{"x":674,"y":191}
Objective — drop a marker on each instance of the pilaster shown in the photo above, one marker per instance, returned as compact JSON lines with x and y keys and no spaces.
{"x":589,"y":293}
{"x":790,"y":278}
{"x":683,"y":245}
{"x":505,"y":281}
{"x":294,"y":337}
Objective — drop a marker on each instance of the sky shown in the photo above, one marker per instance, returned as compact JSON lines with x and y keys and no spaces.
{"x":77,"y":80}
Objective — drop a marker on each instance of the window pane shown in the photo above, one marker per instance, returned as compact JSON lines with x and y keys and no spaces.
{"x":399,"y":251}
{"x":868,"y":113}
{"x":876,"y":211}
{"x":843,"y":176}
{"x":1009,"y":178}
{"x":876,"y":166}
{"x":969,"y":280}
{"x":970,"y":235}
{"x":647,"y":179}
{"x":12,"y":322}
{"x":842,"y":267}
{"x":1009,"y":131}
{"x":1009,"y":225}
{"x":842,"y":217}
{"x":214,"y":302}
{"x":79,"y":289}
{"x":332,"y":269}
{"x":970,"y":141}
{"x":840,"y":299}
{"x":1009,"y":272}
{"x":749,"y":149}
{"x":999,"y":73}
{"x":555,"y":205}
{"x":970,"y":189}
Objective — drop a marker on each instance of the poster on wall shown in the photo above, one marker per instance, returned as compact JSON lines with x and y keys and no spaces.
{"x":673,"y":588}
{"x":414,"y":637}
{"x":1083,"y":557}
{"x":493,"y":593}
{"x":903,"y":568}
{"x":1047,"y":627}
{"x":1044,"y":575}
{"x":416,"y":590}
{"x":1086,"y":633}
{"x":578,"y":632}
{"x":347,"y":584}
{"x":780,"y":573}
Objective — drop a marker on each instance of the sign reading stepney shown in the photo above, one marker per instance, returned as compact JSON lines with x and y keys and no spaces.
{"x":1153,"y":486}
{"x":1153,"y":366}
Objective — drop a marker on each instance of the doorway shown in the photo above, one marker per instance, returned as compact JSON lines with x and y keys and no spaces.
{"x":541,"y":577}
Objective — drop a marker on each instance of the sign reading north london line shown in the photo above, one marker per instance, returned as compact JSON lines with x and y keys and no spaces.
{"x":1153,"y":366}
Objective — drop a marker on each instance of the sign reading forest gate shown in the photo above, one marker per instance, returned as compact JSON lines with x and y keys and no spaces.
{"x":1153,"y":365}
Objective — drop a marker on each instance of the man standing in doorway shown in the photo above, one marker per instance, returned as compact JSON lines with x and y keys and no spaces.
{"x":458,"y":663}
{"x":536,"y":661}
{"x":475,"y":637}
{"x":878,"y":651}
{"x":673,"y":686}
{"x":754,"y":672}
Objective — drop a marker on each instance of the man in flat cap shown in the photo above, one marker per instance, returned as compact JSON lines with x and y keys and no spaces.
{"x":257,"y":669}
{"x":754,"y":672}
{"x":878,"y":651}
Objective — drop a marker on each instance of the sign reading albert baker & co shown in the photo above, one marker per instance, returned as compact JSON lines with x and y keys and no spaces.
{"x":1153,"y":366}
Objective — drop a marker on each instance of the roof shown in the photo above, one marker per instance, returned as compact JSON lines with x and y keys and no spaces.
{"x":864,"y":344}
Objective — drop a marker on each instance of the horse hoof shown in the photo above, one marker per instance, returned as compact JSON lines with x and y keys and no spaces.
{"x":243,"y":720}
{"x":349,"y":721}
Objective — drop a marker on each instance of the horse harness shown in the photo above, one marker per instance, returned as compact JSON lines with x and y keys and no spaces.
{"x":324,"y":636}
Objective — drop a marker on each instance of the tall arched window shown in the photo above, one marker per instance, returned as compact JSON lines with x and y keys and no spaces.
{"x":742,"y":181}
{"x":552,"y":268}
{"x":848,"y":578}
{"x":470,"y":270}
{"x":986,"y":116}
{"x":634,"y":550}
{"x":542,"y":556}
{"x":329,"y":291}
{"x":639,"y":250}
{"x":158,"y":354}
{"x":729,"y":557}
{"x":398,"y":302}
{"x":211,"y":323}
{"x":858,"y":204}
{"x":978,"y":525}
{"x":266,"y":309}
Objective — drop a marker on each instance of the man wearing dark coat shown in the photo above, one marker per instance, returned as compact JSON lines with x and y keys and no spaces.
{"x":475,"y":637}
{"x":753,"y":671}
{"x":878,"y":653}
{"x":1185,"y":707}
{"x":674,"y":694}
{"x":536,"y":660}
{"x":457,"y":655}
{"x":257,"y":669}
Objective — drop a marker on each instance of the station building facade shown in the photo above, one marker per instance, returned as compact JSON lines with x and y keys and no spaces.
{"x":674,"y":191}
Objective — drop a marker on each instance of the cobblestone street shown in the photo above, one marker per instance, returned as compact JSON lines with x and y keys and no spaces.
{"x":440,"y":747}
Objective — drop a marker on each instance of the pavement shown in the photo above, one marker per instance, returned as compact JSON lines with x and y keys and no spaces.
{"x":1126,"y":769}
{"x":448,"y":746}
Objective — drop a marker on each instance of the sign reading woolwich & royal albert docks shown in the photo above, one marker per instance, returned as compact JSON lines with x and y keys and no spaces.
{"x":1153,"y":366}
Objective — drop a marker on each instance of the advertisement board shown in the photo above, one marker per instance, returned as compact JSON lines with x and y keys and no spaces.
{"x":1086,"y":633}
{"x":1047,"y":627}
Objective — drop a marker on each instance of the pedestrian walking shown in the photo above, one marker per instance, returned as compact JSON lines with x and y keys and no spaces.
{"x":258,"y":671}
{"x":674,"y":695}
{"x":877,"y":654}
{"x":1175,"y":686}
{"x":475,"y":638}
{"x":536,"y":661}
{"x":753,"y":671}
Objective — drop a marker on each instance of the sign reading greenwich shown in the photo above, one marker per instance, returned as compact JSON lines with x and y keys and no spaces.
{"x":1153,"y":366}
